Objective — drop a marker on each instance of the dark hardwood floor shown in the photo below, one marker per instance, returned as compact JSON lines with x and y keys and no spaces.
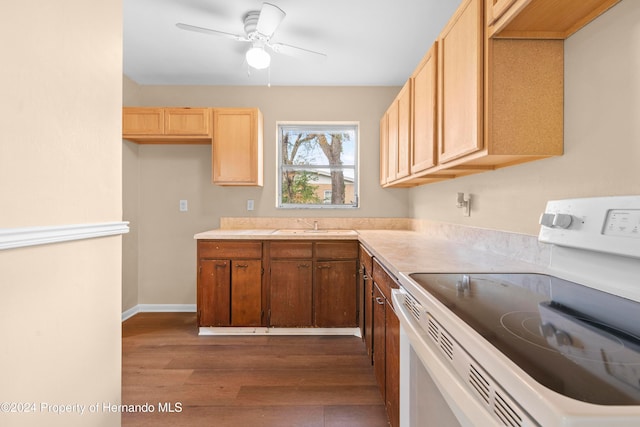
{"x":244,"y":380}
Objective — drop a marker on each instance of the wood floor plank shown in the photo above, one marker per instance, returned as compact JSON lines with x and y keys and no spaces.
{"x":240,"y":381}
{"x":283,"y":377}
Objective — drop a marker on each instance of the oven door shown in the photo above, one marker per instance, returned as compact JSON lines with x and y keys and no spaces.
{"x":431,"y":392}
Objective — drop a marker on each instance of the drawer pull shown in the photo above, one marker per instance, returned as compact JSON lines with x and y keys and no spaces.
{"x":303,"y":265}
{"x":324,"y":266}
{"x":221,"y":264}
{"x":242,"y":265}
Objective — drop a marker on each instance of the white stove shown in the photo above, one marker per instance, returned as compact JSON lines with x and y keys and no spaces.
{"x":557,"y":349}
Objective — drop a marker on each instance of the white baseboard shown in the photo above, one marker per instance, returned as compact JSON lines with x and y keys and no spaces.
{"x":158,"y":308}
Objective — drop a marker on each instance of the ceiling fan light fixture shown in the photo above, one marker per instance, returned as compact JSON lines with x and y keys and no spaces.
{"x":258,"y":58}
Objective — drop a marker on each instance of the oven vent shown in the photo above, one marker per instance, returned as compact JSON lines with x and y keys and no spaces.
{"x":434,"y":330}
{"x":446,"y":345}
{"x":440,"y":337}
{"x":495,"y":399}
{"x":479,"y":384}
{"x":488,"y":392}
{"x":412,"y":305}
{"x":506,"y":412}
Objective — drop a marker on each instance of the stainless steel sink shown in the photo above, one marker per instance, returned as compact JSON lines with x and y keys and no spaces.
{"x":321,"y":232}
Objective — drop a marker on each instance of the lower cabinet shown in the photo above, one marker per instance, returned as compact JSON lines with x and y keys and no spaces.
{"x":229,"y":283}
{"x":335,"y":294}
{"x":309,"y":283}
{"x":365,"y":289}
{"x":386,"y":342}
{"x":379,"y":339}
{"x":291,"y":293}
{"x":313,"y":284}
{"x":246,"y":292}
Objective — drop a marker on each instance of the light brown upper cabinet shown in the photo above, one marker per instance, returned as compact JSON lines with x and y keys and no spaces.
{"x":395,"y":131}
{"x":542,"y":19}
{"x":384,"y":149}
{"x":237,"y":147}
{"x":167,"y":125}
{"x":425,"y":132}
{"x":460,"y":83}
{"x":499,"y":102}
{"x":500,"y":88}
{"x":404,"y":131}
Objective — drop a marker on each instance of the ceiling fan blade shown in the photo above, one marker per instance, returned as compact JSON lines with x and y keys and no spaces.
{"x":295,"y":51}
{"x":270,"y":18}
{"x":210,"y":31}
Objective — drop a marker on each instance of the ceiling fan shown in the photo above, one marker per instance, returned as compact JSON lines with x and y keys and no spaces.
{"x":259,"y":27}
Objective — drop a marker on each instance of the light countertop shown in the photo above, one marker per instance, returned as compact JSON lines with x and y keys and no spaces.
{"x":412,"y":252}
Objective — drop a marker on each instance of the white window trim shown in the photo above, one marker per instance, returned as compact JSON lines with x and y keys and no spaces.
{"x":356,"y":178}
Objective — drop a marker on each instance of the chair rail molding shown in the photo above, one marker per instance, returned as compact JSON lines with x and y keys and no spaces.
{"x":11,"y":238}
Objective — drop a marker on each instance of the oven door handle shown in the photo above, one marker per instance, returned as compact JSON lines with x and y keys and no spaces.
{"x":462,"y":402}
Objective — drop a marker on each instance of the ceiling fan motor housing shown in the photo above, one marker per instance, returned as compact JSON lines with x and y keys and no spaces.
{"x":250,"y":25}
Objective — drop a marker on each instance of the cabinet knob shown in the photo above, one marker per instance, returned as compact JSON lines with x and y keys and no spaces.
{"x":380,"y":300}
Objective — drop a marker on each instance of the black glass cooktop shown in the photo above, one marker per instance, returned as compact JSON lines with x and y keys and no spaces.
{"x":575,"y":340}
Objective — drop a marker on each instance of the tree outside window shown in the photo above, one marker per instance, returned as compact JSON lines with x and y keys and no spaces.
{"x":317,"y":164}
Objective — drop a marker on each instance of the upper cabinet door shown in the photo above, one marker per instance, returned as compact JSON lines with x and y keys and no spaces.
{"x":423,"y":149}
{"x":384,"y":149}
{"x":187,"y":121}
{"x":142,"y":121}
{"x":404,"y":131}
{"x":392,"y":142}
{"x":460,"y":85}
{"x":237,"y":146}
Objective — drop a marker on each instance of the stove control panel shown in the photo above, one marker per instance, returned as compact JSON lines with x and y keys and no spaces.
{"x":623,"y":223}
{"x":602,"y":224}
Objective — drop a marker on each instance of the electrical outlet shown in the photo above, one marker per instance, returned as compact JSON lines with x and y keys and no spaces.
{"x":250,"y":204}
{"x":184,"y":207}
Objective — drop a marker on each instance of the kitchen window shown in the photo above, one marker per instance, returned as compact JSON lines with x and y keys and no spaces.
{"x":317,"y":164}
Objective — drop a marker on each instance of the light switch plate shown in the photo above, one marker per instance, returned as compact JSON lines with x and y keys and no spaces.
{"x":184,"y":207}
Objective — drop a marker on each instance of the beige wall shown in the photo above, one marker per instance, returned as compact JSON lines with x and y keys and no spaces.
{"x":602,"y":131}
{"x":60,"y":163}
{"x":168,"y":173}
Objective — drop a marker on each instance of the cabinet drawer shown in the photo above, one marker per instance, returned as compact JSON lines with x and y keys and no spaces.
{"x":337,"y":250}
{"x":384,"y":281}
{"x":229,"y":249}
{"x":291,"y":250}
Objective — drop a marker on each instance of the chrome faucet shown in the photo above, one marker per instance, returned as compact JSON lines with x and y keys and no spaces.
{"x":314,"y":225}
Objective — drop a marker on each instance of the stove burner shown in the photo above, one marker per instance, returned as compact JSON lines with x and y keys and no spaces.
{"x":573,"y":338}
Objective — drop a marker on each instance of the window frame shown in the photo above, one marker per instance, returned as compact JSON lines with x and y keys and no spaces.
{"x":355,"y":166}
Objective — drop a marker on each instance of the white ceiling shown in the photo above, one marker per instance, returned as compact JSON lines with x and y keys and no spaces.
{"x":367,"y":42}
